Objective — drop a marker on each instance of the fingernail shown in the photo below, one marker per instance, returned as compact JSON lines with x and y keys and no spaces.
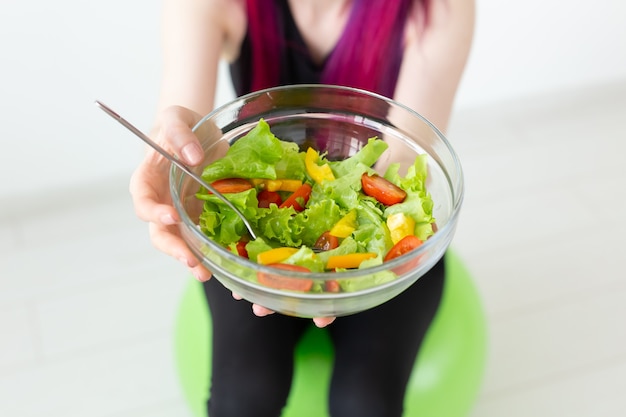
{"x":167,"y":220}
{"x":192,"y":153}
{"x":323,"y":321}
{"x":199,"y":275}
{"x":257,"y":310}
{"x":261,"y":311}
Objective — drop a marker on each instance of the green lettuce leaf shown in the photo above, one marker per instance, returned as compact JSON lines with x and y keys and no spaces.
{"x":277,"y":225}
{"x":344,"y":190}
{"x":319,"y":217}
{"x":254,"y":155}
{"x":367,"y":155}
{"x":257,"y":246}
{"x":307,"y":258}
{"x":418,"y":203}
{"x":291,"y":164}
{"x":372,"y":233}
{"x":220,"y":223}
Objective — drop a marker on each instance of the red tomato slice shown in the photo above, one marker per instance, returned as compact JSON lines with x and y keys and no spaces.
{"x":332,"y":285}
{"x":241,"y":248}
{"x":285,"y":283}
{"x":231,"y":185}
{"x":406,"y":244}
{"x":382,"y":190}
{"x":268,"y":197}
{"x":299,"y":198}
{"x":326,"y":242}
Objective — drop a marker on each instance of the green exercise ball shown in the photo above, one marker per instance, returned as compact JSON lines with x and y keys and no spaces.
{"x":445,"y":380}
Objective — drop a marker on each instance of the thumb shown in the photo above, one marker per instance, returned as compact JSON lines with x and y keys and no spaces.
{"x":177,"y":135}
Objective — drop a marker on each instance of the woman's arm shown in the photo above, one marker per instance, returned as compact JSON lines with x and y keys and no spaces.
{"x":437,"y":49}
{"x":195,"y":36}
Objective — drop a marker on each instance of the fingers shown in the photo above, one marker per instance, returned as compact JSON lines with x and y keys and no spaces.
{"x":323,"y":321}
{"x":176,"y":134}
{"x":184,"y":144}
{"x":167,"y":240}
{"x":261,"y":311}
{"x":149,"y":185}
{"x":149,"y":189}
{"x":201,"y":273}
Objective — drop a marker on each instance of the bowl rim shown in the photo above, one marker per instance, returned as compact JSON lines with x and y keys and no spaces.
{"x":446,"y":230}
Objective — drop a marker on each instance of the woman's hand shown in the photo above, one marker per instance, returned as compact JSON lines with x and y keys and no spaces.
{"x":319,"y":321}
{"x":149,"y":185}
{"x":262,"y":312}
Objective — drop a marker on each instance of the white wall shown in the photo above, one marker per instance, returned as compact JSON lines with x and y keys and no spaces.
{"x":58,"y":57}
{"x":534,"y":46}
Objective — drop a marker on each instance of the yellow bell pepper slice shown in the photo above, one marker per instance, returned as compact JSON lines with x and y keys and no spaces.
{"x":275,"y":255}
{"x":352,"y":260}
{"x":319,"y":173}
{"x":277,"y":184}
{"x":283,"y":185}
{"x":345,"y":226}
{"x":400,"y":225}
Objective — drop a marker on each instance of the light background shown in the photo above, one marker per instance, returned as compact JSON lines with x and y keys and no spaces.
{"x":87,"y":305}
{"x":58,"y":57}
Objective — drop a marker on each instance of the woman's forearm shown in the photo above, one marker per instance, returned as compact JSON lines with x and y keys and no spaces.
{"x":192,"y":44}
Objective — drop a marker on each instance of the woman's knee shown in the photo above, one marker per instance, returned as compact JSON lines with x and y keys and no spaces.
{"x":253,"y":397}
{"x":350,"y":403}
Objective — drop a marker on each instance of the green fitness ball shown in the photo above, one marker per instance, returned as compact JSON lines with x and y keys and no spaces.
{"x":445,"y":380}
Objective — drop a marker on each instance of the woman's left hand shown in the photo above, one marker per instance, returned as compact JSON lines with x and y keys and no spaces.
{"x":261,"y":311}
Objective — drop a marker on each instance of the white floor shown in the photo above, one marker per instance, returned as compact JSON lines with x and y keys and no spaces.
{"x":87,"y":305}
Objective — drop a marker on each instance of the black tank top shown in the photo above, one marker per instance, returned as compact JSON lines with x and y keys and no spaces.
{"x":296,"y":64}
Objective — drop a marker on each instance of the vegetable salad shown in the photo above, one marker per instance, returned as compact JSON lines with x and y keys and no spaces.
{"x":312,"y":214}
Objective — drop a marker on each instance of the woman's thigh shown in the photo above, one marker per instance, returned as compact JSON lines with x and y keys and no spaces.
{"x":252,"y":357}
{"x":375,"y":350}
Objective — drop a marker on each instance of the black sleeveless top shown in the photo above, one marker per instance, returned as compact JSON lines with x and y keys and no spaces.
{"x":296,"y":64}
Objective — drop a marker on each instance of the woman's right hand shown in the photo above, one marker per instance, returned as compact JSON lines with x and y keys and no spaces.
{"x":149,"y":188}
{"x":149,"y":184}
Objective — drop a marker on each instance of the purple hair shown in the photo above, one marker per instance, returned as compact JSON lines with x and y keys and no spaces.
{"x":367,"y":56}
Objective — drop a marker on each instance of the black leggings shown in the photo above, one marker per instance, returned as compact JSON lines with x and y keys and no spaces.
{"x":375,"y":351}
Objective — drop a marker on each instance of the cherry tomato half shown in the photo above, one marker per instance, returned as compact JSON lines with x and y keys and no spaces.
{"x":231,"y":185}
{"x":406,"y":244}
{"x":332,"y":285}
{"x":382,"y":190}
{"x":268,"y":197}
{"x":241,"y":248}
{"x":285,"y":283}
{"x":326,"y":241}
{"x":298,"y":198}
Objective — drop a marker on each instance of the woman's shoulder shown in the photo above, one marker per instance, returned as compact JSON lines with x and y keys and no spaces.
{"x":231,"y":15}
{"x":437,"y":45}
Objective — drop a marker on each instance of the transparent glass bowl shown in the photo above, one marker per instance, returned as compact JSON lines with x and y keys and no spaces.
{"x":338,"y":121}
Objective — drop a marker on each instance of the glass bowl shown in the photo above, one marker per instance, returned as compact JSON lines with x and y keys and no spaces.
{"x":338,"y":121}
